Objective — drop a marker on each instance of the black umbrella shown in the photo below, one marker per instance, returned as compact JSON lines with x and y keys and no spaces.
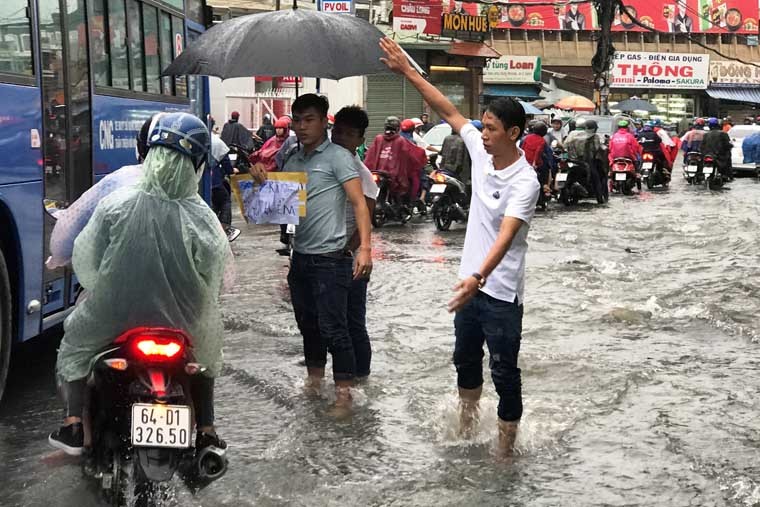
{"x":636,"y":104}
{"x":294,"y":42}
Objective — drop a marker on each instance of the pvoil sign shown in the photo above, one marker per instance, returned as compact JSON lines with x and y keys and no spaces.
{"x":337,"y":6}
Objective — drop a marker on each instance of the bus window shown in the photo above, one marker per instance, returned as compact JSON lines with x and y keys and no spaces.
{"x":136,"y":45}
{"x":195,"y":11}
{"x":15,"y":50}
{"x":152,"y":64}
{"x":178,"y":36}
{"x":99,"y":43}
{"x":117,"y":39}
{"x":165,"y":41}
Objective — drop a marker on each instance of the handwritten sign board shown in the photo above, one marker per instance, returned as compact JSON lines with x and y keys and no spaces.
{"x":279,"y":200}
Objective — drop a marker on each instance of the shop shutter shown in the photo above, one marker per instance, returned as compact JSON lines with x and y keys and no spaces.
{"x":390,"y":95}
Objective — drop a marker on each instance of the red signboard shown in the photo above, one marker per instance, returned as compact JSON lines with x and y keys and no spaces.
{"x":679,"y":16}
{"x":691,"y":16}
{"x":420,"y":16}
{"x":547,"y":17}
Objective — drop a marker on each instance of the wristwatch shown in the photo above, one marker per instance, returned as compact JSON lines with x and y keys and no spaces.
{"x":480,"y":279}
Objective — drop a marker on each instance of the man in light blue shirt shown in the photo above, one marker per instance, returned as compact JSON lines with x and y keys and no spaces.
{"x":322,"y":267}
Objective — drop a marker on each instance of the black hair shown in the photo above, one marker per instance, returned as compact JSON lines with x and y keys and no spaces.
{"x":142,"y":139}
{"x":354,"y":117}
{"x":509,"y":111}
{"x":311,"y":100}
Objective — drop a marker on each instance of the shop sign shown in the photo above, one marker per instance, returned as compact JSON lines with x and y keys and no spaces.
{"x":417,"y":16}
{"x":337,"y":6}
{"x":734,"y":73}
{"x":464,"y":26}
{"x":632,"y":69}
{"x":512,"y":69}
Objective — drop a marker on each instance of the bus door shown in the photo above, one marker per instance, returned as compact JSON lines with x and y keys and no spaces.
{"x":65,"y":85}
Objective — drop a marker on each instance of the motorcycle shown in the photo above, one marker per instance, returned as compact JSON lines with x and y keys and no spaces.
{"x":623,"y":176}
{"x":692,"y":170}
{"x":450,"y":200}
{"x":140,"y":418}
{"x":574,"y":182}
{"x":239,"y":158}
{"x":287,"y":236}
{"x":652,"y":171}
{"x":710,"y":172}
{"x":388,"y":208}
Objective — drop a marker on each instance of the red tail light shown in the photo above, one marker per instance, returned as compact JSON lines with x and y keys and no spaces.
{"x":648,"y":156}
{"x":154,"y":344}
{"x":158,"y":348}
{"x":708,"y":160}
{"x":439,"y":178}
{"x":376,"y":177}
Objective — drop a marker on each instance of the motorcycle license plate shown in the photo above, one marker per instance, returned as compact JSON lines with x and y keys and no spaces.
{"x":707,"y":170}
{"x":692,"y":169}
{"x":562,"y":177}
{"x":647,"y":165}
{"x":621,"y":176}
{"x":232,"y":156}
{"x":438,"y":188}
{"x":161,"y":425}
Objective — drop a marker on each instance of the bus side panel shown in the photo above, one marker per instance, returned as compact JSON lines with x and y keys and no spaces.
{"x":116,"y":122}
{"x":21,"y":216}
{"x":21,"y":194}
{"x":20,"y":115}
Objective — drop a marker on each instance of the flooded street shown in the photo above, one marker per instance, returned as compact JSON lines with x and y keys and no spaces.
{"x":639,"y":359}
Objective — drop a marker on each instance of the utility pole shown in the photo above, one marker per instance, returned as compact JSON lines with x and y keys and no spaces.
{"x":602,"y":60}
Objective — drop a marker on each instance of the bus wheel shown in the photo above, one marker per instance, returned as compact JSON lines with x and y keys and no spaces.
{"x":5,"y":323}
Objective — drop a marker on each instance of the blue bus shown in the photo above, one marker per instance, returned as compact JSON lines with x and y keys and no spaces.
{"x":77,"y":80}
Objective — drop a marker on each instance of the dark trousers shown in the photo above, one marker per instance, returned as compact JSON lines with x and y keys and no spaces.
{"x":222,"y":205}
{"x":499,"y":324}
{"x":357,"y":326}
{"x":319,"y":287}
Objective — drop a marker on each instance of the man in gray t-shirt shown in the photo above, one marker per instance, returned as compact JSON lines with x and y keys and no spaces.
{"x":322,"y":267}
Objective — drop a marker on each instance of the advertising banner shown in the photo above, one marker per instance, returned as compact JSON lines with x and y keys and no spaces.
{"x":546,"y":17}
{"x":512,"y":69}
{"x":691,"y":16}
{"x":464,"y":26}
{"x":724,"y":72}
{"x":418,"y":16}
{"x":632,"y":69}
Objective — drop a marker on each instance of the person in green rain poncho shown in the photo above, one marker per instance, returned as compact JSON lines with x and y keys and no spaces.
{"x":151,"y":255}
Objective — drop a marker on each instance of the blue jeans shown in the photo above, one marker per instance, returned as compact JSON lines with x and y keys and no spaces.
{"x":499,"y":324}
{"x":357,"y":325}
{"x":319,"y":287}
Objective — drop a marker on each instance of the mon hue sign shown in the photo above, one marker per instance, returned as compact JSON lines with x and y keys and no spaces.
{"x":660,"y":70}
{"x":464,"y":26}
{"x":512,"y":69}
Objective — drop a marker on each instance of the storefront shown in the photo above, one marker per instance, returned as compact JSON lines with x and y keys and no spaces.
{"x":674,"y":82}
{"x":512,"y":76}
{"x":734,"y":90}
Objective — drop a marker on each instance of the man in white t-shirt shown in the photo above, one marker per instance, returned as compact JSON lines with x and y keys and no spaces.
{"x":348,"y":131}
{"x":489,"y":295}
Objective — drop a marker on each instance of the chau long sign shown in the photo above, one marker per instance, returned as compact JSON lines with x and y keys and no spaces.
{"x":660,"y":70}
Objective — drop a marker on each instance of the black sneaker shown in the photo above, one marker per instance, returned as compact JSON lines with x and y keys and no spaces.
{"x":203,"y":440}
{"x":70,"y":439}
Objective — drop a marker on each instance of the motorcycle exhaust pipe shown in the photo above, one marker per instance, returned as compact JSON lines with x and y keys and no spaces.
{"x":211,"y":463}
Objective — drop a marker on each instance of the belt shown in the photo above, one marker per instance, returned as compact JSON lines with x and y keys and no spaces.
{"x":338,"y":254}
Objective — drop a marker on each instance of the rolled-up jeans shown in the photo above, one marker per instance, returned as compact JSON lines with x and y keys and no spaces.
{"x":499,"y":324}
{"x":319,"y":287}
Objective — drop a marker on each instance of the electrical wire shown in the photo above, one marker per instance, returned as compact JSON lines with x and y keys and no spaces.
{"x":624,"y":9}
